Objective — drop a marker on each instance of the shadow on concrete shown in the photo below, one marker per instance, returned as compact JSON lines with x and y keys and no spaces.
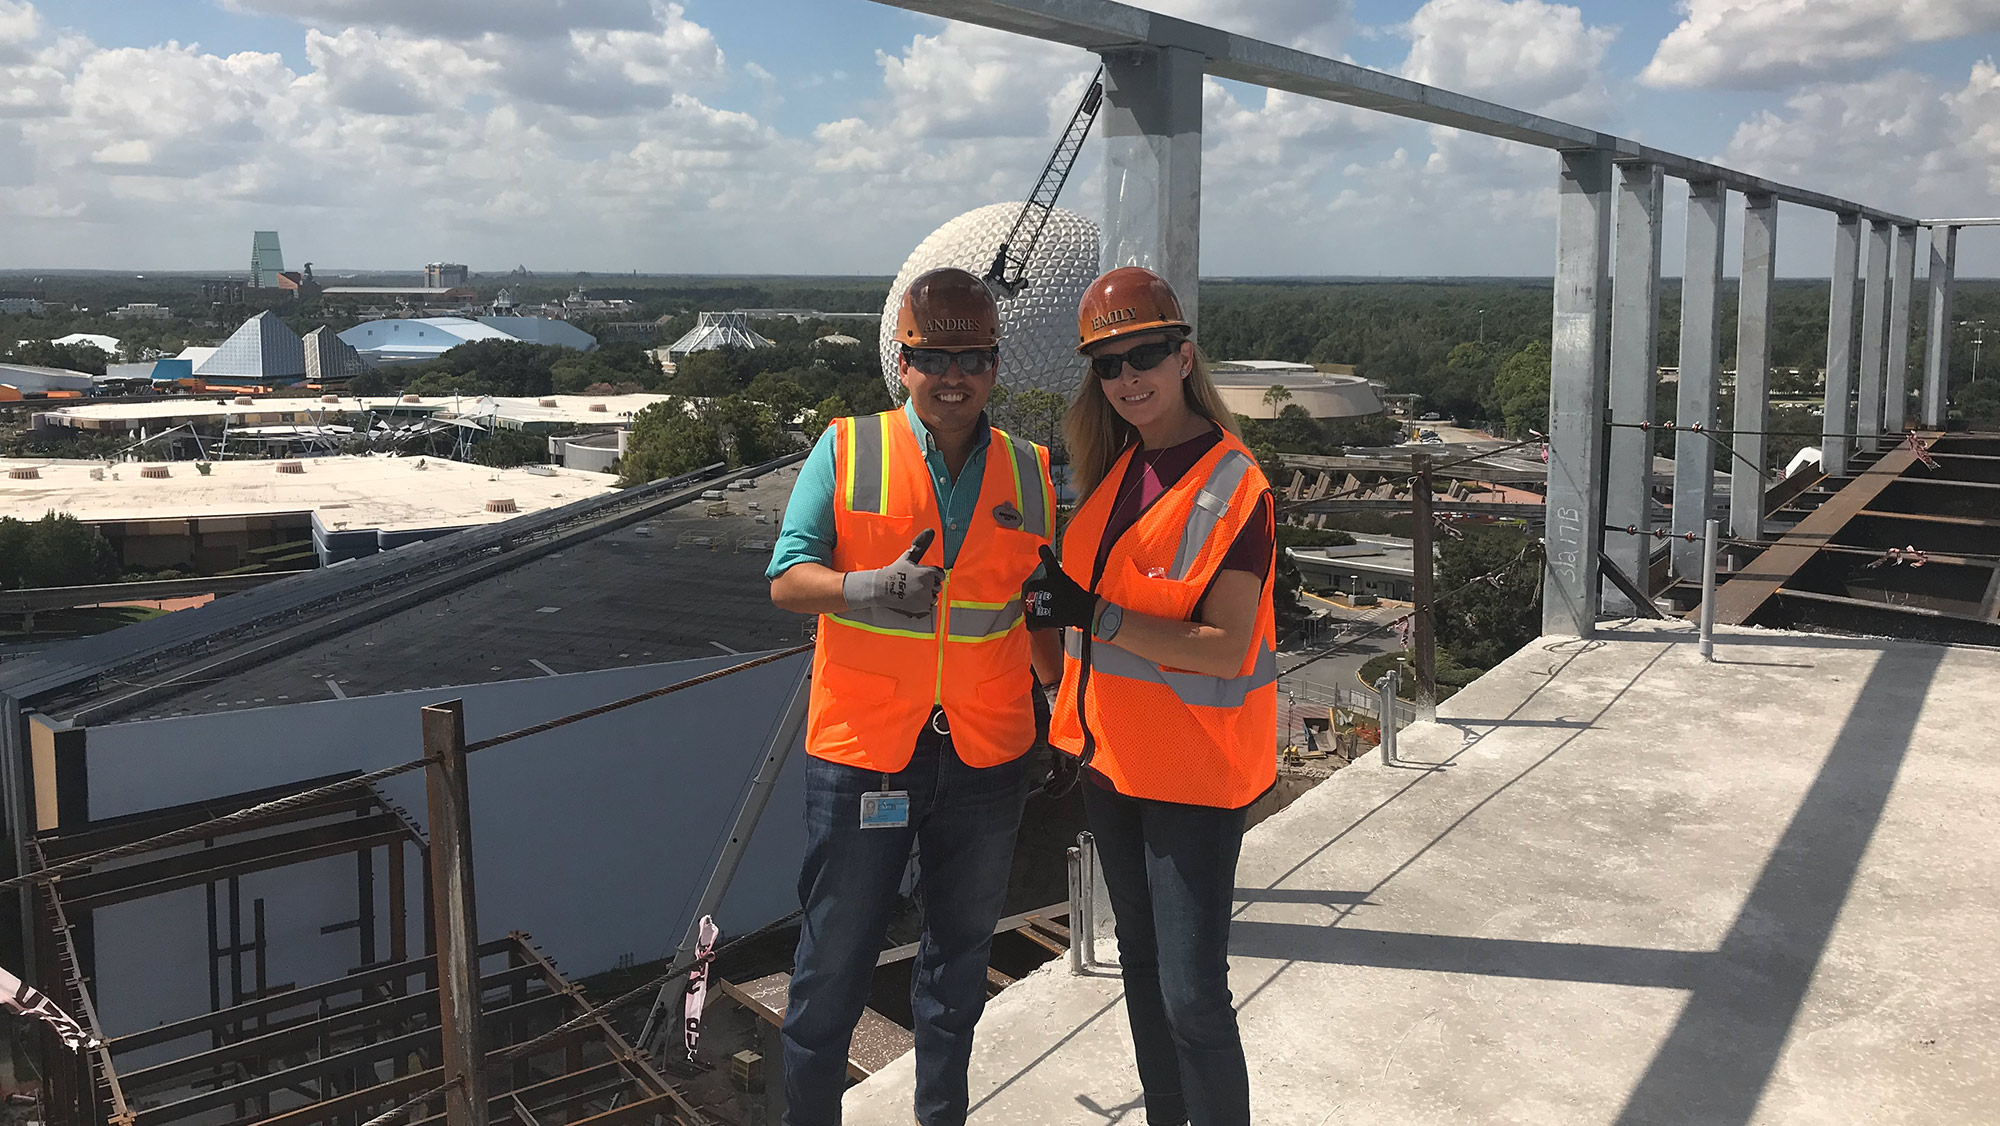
{"x":1562,"y":724}
{"x":1716,"y":1062}
{"x":1300,"y":895}
{"x":1489,"y":957}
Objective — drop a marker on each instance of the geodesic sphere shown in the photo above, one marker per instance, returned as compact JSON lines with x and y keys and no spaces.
{"x":1037,"y":325}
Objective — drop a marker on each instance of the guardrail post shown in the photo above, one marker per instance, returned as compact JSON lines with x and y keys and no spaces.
{"x":1423,"y":581}
{"x":1579,"y":375}
{"x":1386,"y":714}
{"x":1708,"y":591}
{"x":1874,"y":319}
{"x":1077,"y":935}
{"x":1701,"y":369}
{"x":1902,"y":279}
{"x":454,"y":916}
{"x":1838,"y":418}
{"x":1937,"y":335}
{"x":1635,"y":371}
{"x":1753,"y":367}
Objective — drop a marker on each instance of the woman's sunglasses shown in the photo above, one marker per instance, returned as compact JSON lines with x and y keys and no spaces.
{"x":934,"y":361}
{"x":1145,"y":357}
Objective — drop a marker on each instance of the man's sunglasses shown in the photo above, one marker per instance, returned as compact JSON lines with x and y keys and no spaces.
{"x":1145,"y":357}
{"x":934,"y":361}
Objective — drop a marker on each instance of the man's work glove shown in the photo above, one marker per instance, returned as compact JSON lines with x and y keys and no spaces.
{"x":906,"y":586}
{"x":1050,"y":598}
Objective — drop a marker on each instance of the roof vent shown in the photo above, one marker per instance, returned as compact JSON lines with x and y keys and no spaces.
{"x":154,"y":471}
{"x":545,"y":402}
{"x":244,"y":400}
{"x":291,"y":467}
{"x":600,"y":408}
{"x":502,"y":504}
{"x":329,"y":398}
{"x":413,"y":398}
{"x":25,"y":473}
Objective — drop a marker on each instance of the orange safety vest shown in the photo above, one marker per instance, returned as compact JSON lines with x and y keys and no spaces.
{"x":1158,"y":732}
{"x":877,"y":673}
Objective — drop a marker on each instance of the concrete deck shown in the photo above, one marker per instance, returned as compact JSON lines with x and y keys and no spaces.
{"x":1632,"y":888}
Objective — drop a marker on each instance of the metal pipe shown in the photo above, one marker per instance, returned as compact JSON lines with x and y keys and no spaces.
{"x":1074,"y":856}
{"x":1708,"y":592}
{"x":1086,"y":845}
{"x":1386,"y":709}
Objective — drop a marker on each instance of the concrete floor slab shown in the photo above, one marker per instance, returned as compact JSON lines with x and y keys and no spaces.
{"x":1612,"y":884}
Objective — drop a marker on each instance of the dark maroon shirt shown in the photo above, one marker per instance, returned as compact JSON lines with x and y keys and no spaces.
{"x":1151,"y":473}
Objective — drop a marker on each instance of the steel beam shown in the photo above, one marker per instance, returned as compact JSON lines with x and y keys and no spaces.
{"x":1753,"y":367}
{"x":455,"y":920}
{"x":1635,"y":372}
{"x":1701,"y":370}
{"x":1838,"y":417}
{"x":1937,"y":329}
{"x":1104,"y":25}
{"x":1902,"y":279}
{"x":1874,"y":320}
{"x":1151,"y":125}
{"x":1579,"y":378}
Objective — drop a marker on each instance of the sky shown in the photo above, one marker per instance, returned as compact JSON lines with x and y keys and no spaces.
{"x":830,"y":136}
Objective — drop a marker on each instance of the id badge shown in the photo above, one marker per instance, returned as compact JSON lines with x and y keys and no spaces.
{"x":885,"y":809}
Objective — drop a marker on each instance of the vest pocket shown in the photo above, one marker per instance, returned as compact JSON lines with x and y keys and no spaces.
{"x":858,"y":684}
{"x":1008,"y":687}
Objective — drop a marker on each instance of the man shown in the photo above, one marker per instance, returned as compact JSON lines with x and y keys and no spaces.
{"x":910,"y":533}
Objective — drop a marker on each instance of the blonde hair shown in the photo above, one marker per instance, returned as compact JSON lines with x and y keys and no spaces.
{"x":1096,"y":434}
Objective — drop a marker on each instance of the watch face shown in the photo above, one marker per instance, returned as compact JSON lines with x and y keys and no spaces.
{"x":1108,"y":622}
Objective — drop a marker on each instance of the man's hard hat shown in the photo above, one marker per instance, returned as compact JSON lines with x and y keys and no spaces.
{"x":948,"y":308}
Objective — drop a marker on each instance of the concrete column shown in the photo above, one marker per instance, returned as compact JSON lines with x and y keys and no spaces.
{"x":1151,"y":125}
{"x":1896,"y":387}
{"x":1579,"y":378}
{"x":1874,"y":323}
{"x":1635,"y":323}
{"x":1701,"y":370}
{"x":1753,"y":367}
{"x":1838,"y":419}
{"x":1937,"y":335}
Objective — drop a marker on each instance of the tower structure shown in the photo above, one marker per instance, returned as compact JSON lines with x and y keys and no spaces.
{"x":266,"y":260}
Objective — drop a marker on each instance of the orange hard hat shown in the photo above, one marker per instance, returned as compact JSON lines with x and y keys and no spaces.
{"x":1129,"y":299}
{"x":948,"y":308}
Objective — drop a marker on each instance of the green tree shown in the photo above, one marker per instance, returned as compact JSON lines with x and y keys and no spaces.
{"x":57,"y":550}
{"x":822,"y":415}
{"x":669,"y":439}
{"x":1484,"y":621}
{"x":1980,"y":402}
{"x":1521,"y":391}
{"x":1277,"y":396}
{"x":749,"y":430}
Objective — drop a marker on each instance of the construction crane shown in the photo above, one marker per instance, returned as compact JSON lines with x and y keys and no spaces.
{"x":1008,"y":274}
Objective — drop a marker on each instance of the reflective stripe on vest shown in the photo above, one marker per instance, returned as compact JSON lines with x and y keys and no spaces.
{"x":983,"y":621}
{"x":1209,"y":505}
{"x":1192,"y":688}
{"x":867,"y":484}
{"x":1031,"y":486}
{"x":881,"y":619}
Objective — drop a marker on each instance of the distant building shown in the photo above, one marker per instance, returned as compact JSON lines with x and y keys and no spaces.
{"x":22,"y":381}
{"x":329,"y":359}
{"x":718,"y":330}
{"x":109,"y":345}
{"x":1245,"y":383}
{"x":266,"y":260}
{"x":409,"y":340}
{"x":387,"y":297}
{"x":263,"y":351}
{"x":21,"y":305}
{"x":142,"y":311}
{"x":1383,"y":566}
{"x":444,"y":275}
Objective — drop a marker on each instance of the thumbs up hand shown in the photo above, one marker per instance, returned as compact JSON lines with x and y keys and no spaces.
{"x":906,"y":586}
{"x":1051,"y":599}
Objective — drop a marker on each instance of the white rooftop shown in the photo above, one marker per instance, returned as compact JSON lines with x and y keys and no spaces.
{"x":560,"y":409}
{"x":391,"y":493}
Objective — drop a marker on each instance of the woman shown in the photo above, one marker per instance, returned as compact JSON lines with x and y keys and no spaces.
{"x":1168,"y":695}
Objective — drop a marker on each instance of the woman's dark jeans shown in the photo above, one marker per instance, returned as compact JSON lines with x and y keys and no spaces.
{"x":1170,"y":871}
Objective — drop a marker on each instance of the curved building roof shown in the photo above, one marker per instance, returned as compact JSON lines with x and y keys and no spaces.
{"x":1243,"y":387}
{"x":402,"y":340}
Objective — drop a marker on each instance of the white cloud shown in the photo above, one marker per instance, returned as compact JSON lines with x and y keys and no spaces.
{"x":1319,"y":26}
{"x":1527,"y":54}
{"x":469,"y":19}
{"x":1774,"y":44}
{"x":1900,"y":140}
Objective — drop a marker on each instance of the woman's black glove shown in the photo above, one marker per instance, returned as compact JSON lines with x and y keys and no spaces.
{"x":1050,"y":598}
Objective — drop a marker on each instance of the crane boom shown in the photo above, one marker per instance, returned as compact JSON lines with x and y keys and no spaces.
{"x":1008,"y":274}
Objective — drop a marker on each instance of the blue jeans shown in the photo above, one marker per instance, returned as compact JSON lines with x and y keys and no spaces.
{"x":1170,"y":871}
{"x":963,"y":821}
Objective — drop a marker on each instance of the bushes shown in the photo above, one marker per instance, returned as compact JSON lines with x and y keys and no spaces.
{"x":679,"y":436}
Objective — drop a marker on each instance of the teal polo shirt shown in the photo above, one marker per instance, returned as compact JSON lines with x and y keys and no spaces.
{"x":807,"y":533}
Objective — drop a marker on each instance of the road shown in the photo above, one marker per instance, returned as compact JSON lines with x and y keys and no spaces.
{"x":1343,"y":668}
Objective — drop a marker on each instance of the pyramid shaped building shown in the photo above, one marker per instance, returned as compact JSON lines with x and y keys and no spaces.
{"x":265,"y":350}
{"x":329,"y":359}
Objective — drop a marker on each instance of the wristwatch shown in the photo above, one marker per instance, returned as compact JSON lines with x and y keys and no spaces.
{"x":1108,"y":620}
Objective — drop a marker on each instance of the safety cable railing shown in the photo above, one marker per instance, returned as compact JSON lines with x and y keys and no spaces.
{"x":277,"y":807}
